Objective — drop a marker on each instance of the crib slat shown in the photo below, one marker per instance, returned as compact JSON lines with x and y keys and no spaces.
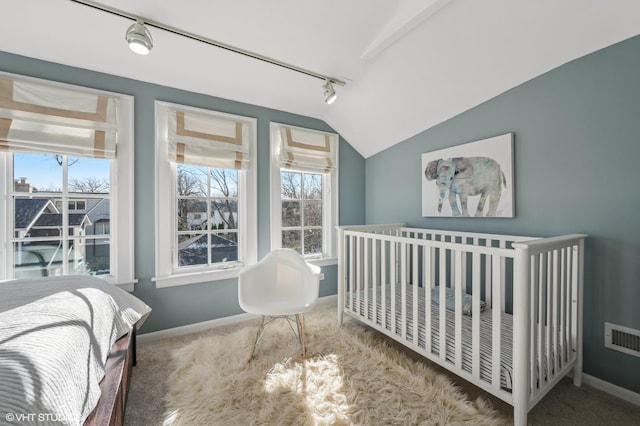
{"x":563,"y":309}
{"x":496,"y":319}
{"x":541,"y":316}
{"x":365,"y":276}
{"x":352,"y":257}
{"x":488,"y":281}
{"x":442,"y":303}
{"x":558,"y":322}
{"x":359,"y":261}
{"x":374,"y":278}
{"x":572,"y":287}
{"x":383,"y":282}
{"x":402,"y":261}
{"x":432,"y":278}
{"x":452,"y":272}
{"x":503,"y":274}
{"x":464,"y":268}
{"x":393,"y":277}
{"x":415,"y":283}
{"x":427,"y":285}
{"x":555,"y":336}
{"x":475,"y":337}
{"x":570,"y":297}
{"x":533,"y":355}
{"x":456,"y":259}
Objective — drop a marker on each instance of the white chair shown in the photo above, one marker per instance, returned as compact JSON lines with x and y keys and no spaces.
{"x":281,"y":285}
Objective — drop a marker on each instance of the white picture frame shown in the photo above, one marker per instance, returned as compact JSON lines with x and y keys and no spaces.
{"x":456,"y":180}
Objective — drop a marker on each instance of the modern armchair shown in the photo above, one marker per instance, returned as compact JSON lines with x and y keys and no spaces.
{"x":281,"y":285}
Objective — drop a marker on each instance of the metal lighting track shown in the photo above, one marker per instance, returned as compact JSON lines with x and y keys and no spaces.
{"x":208,"y":41}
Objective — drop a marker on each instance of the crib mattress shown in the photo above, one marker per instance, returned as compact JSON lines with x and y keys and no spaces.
{"x":506,"y":346}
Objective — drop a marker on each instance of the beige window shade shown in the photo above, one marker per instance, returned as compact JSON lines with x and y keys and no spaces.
{"x":307,"y":150}
{"x":38,"y":117}
{"x":207,"y":140}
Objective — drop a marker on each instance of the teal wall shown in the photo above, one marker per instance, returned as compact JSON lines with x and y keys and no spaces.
{"x":177,"y":306}
{"x":577,"y":169}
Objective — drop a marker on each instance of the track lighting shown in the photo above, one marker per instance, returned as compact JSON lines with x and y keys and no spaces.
{"x":329,"y":92}
{"x":141,"y":42}
{"x":139,"y":38}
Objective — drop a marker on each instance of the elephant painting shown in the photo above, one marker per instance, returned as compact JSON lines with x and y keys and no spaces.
{"x":465,"y":177}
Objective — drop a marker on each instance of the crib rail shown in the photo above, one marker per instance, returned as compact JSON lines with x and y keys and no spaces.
{"x":415,"y":285}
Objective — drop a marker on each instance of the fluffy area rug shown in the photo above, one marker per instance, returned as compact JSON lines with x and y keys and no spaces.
{"x":352,"y":375}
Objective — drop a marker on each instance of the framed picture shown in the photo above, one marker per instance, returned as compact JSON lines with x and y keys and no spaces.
{"x":472,"y":179}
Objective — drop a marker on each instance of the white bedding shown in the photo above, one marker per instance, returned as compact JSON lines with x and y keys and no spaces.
{"x":55,"y":335}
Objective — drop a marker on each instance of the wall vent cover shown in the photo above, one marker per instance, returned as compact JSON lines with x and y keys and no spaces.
{"x":623,"y":339}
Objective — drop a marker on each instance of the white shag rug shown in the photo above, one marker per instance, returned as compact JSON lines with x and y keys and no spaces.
{"x":351,"y":376}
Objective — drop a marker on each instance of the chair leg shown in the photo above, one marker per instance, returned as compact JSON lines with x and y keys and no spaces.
{"x":255,"y":342}
{"x":302,"y":337}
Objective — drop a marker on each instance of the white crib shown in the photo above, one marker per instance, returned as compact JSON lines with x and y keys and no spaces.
{"x":526,"y":337}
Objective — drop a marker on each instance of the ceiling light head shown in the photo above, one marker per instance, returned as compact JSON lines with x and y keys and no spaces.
{"x":139,"y":38}
{"x":329,"y":92}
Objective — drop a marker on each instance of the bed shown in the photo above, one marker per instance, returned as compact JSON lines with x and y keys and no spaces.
{"x":502,"y":312}
{"x":66,"y":348}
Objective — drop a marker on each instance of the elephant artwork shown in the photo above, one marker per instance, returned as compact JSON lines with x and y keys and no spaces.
{"x":464,"y":177}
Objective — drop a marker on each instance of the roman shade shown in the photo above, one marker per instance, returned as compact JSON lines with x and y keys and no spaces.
{"x":307,"y":150}
{"x":207,"y":139}
{"x":40,"y":117}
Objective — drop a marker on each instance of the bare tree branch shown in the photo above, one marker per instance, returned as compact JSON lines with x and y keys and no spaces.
{"x":89,"y":185}
{"x":226,"y":183}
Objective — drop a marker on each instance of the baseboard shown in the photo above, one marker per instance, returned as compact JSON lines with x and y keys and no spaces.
{"x":220,"y":322}
{"x":611,"y":389}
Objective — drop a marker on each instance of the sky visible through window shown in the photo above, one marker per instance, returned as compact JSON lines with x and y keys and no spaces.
{"x":44,"y":172}
{"x":61,"y":233}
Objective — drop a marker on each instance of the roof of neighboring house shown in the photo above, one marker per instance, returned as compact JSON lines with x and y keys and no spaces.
{"x":101,"y":210}
{"x":27,"y":209}
{"x":55,"y":219}
{"x":216,"y":241}
{"x":195,"y":252}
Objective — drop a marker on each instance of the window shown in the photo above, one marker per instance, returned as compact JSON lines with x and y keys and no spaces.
{"x":207,"y":215}
{"x":304,"y":191}
{"x":62,"y":178}
{"x":301,"y":194}
{"x":205,"y":194}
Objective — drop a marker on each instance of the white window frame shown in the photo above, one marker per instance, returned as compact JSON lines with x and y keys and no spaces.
{"x":329,"y":199}
{"x":121,"y":192}
{"x":167,"y":273}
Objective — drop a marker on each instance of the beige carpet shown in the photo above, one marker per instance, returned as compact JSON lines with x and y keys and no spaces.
{"x":564,"y":405}
{"x":350,"y":376}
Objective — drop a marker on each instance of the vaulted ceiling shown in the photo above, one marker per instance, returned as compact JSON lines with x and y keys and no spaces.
{"x":408,"y":64}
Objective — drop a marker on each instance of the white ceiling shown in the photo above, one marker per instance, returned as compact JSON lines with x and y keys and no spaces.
{"x":409,"y":64}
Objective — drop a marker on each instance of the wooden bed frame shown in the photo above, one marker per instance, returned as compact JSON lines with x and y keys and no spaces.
{"x":114,"y":386}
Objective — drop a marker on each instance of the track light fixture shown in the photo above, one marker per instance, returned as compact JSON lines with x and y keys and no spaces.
{"x":329,"y":92}
{"x":141,"y":42}
{"x":139,"y":38}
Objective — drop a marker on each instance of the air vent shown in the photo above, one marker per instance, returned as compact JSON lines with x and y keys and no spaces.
{"x":623,"y":339}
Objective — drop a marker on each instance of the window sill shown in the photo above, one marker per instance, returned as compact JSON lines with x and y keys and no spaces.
{"x":219,"y":274}
{"x":127,"y":285}
{"x":195,"y":277}
{"x":323,"y":261}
